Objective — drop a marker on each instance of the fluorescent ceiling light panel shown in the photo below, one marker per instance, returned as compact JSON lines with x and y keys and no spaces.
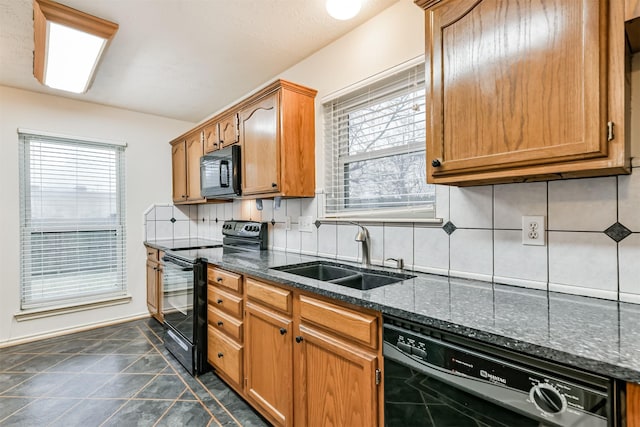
{"x":72,"y":56}
{"x":68,"y":45}
{"x":343,"y":9}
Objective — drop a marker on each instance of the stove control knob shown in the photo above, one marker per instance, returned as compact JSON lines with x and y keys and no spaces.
{"x":548,"y":399}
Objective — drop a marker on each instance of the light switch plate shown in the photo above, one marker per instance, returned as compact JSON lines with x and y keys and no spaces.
{"x":305,"y":224}
{"x":533,"y":230}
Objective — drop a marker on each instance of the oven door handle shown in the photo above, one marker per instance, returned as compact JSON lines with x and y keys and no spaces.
{"x":184,"y":265}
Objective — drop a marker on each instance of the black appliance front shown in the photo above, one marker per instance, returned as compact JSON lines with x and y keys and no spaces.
{"x":430,"y":381}
{"x":184,"y":307}
{"x":220,"y":173}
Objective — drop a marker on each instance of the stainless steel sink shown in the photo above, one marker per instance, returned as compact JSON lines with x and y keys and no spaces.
{"x":344,"y":275}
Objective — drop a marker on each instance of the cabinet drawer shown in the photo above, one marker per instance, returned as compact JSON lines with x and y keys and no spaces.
{"x":152,"y":254}
{"x":340,"y":320}
{"x":225,"y":355}
{"x":225,"y":323}
{"x":269,"y":295}
{"x":224,"y":301}
{"x":218,"y":277}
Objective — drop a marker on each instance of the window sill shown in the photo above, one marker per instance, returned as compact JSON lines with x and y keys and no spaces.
{"x":38,"y":313}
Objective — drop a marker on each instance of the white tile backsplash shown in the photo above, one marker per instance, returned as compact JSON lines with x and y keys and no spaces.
{"x":583,"y":263}
{"x":513,"y":201}
{"x":629,"y":200}
{"x":347,"y":247}
{"x":164,"y":213}
{"x":578,"y":258}
{"x":442,"y":202}
{"x":398,"y":242}
{"x":471,"y":254}
{"x":431,"y":250}
{"x":309,"y":242}
{"x":629,"y":258}
{"x":471,"y":207}
{"x":582,"y":204}
{"x":327,"y":245}
{"x":518,"y":264}
{"x":164,"y":230}
{"x":293,"y":239}
{"x":376,"y":233}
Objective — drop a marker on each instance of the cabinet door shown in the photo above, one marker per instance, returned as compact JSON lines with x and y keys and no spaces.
{"x":179,"y":171}
{"x":195,"y":150}
{"x":260,"y":146}
{"x":210,"y":135}
{"x":228,"y":130}
{"x":152,"y":287}
{"x":633,"y":405}
{"x":269,"y":362}
{"x":515,"y":86}
{"x":632,"y":9}
{"x":337,"y":381}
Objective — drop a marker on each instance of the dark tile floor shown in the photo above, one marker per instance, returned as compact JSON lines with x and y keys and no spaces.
{"x":114,"y":376}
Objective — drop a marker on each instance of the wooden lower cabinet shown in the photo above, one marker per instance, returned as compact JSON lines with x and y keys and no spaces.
{"x":269,"y":362}
{"x":302,"y":370}
{"x":225,"y":355}
{"x":336,"y":381}
{"x":154,"y":283}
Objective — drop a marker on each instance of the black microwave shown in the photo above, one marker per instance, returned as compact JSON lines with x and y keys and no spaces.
{"x":220,"y":173}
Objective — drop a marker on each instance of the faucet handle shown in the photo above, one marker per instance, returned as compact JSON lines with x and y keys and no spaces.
{"x":399,"y":262}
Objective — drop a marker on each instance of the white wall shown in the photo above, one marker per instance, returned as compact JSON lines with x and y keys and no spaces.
{"x":148,"y":174}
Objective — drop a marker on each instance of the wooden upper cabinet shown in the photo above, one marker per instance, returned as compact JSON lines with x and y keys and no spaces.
{"x":210,"y":136}
{"x":633,"y":405}
{"x":228,"y":130}
{"x":261,"y":146}
{"x":195,"y":150}
{"x":526,"y":92}
{"x":277,"y":133}
{"x":632,"y":10}
{"x":179,"y":169}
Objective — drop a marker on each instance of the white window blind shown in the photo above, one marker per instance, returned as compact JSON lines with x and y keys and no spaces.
{"x":375,"y":148}
{"x":72,"y":216}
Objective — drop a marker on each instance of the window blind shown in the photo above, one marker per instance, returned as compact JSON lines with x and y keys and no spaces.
{"x":375,"y":148}
{"x":72,"y":216}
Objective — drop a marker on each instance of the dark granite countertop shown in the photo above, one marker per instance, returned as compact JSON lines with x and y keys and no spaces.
{"x":599,"y":336}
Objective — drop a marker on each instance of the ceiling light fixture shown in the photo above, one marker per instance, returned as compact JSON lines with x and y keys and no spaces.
{"x":343,"y":9}
{"x":68,"y":45}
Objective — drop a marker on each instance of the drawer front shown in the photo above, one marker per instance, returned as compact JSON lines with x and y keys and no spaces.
{"x":225,"y":301}
{"x":225,"y":323}
{"x":225,"y":355}
{"x":340,"y":320}
{"x":218,"y":277}
{"x":269,"y":295}
{"x":152,"y":254}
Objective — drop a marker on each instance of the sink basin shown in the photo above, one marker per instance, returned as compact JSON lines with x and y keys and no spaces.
{"x":351,"y":277}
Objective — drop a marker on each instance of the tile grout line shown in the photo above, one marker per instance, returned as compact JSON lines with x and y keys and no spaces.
{"x":185,"y":383}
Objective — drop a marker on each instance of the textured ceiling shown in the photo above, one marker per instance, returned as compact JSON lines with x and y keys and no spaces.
{"x":183,"y":59}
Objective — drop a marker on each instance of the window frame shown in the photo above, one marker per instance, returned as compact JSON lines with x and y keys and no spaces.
{"x":339,"y":142}
{"x":34,"y":308}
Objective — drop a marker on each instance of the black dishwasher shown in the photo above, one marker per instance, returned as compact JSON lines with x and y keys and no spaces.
{"x":436,"y":379}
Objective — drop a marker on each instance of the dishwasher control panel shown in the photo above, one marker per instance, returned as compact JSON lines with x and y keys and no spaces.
{"x":549,"y":396}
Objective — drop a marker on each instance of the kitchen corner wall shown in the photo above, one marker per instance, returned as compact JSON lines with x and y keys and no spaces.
{"x":592,"y":238}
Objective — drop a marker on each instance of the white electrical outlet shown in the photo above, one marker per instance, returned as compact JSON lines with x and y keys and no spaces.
{"x":287,"y":223}
{"x":304,"y":224}
{"x":533,"y":230}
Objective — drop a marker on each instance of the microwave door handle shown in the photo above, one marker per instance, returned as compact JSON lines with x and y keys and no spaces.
{"x":224,"y":174}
